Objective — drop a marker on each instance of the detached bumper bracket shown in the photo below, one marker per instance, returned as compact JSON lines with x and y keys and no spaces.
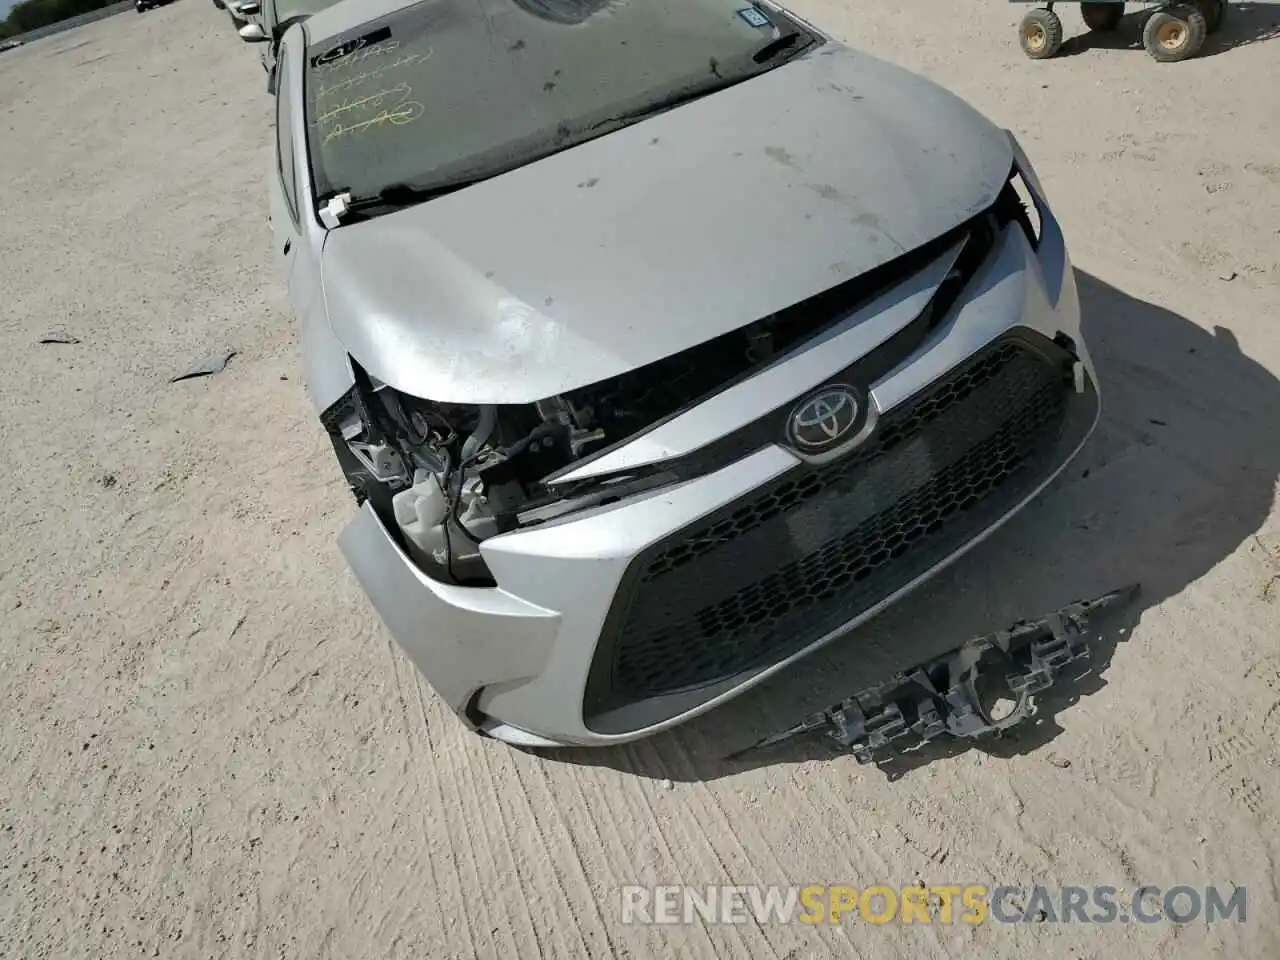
{"x":956,"y":694}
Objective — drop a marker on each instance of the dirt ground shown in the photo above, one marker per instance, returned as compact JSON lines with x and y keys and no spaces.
{"x":213,"y":749}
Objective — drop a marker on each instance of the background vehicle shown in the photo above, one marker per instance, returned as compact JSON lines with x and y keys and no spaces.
{"x":1174,"y":29}
{"x":274,"y":19}
{"x":240,"y":11}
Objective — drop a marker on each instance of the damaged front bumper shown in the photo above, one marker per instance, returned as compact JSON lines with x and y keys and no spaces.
{"x":954,"y":695}
{"x":557,"y":653}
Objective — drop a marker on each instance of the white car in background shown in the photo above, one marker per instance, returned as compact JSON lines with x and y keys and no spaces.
{"x":274,"y":17}
{"x":240,"y":11}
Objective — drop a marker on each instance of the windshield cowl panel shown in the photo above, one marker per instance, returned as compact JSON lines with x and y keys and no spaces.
{"x":449,"y":90}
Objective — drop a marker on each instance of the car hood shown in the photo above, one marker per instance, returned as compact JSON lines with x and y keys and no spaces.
{"x":666,"y":233}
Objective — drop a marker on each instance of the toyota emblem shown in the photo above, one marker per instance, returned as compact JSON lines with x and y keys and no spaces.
{"x":824,"y":420}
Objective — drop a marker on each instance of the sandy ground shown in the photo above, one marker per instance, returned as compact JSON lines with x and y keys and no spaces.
{"x":212,"y":749}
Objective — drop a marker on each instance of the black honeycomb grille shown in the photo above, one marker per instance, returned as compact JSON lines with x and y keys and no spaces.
{"x":772,"y":574}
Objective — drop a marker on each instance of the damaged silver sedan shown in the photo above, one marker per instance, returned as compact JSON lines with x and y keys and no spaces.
{"x":661,"y":342}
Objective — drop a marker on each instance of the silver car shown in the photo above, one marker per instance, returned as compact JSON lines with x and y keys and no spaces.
{"x":240,"y":11}
{"x":272,"y":19}
{"x":661,"y":342}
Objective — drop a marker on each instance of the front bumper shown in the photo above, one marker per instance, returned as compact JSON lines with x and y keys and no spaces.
{"x":558,"y":654}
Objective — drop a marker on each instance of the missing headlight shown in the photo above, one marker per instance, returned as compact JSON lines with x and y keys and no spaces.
{"x":1018,"y":202}
{"x":444,"y":477}
{"x":1030,"y":214}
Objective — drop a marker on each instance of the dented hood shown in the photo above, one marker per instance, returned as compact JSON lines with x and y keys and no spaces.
{"x":656,"y":237}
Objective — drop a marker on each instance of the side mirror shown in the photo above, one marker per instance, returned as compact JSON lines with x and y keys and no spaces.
{"x":252,"y":33}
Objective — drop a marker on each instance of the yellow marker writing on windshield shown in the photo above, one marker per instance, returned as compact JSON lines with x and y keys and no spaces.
{"x":395,"y":95}
{"x":401,"y":115}
{"x":328,"y":90}
{"x":357,"y":56}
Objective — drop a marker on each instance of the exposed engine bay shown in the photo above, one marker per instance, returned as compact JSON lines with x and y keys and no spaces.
{"x":452,"y":475}
{"x":447,"y":476}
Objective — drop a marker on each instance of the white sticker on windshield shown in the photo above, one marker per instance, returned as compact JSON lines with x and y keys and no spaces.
{"x":755,"y":17}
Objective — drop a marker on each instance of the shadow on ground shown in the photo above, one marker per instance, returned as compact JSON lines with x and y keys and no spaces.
{"x":1180,"y":472}
{"x":1245,"y":24}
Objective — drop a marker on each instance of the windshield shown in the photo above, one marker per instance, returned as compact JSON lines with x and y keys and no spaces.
{"x":449,"y":91}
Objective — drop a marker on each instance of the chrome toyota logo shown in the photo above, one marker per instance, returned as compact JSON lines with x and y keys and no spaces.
{"x":824,"y":420}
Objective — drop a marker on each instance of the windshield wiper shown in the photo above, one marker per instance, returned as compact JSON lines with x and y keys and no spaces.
{"x":406,"y":195}
{"x":775,"y":47}
{"x":397,"y":196}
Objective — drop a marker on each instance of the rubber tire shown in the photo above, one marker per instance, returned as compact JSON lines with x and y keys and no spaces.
{"x":1192,"y":21}
{"x":1215,"y":12}
{"x":1103,"y":17}
{"x":219,"y":4}
{"x":1045,"y":25}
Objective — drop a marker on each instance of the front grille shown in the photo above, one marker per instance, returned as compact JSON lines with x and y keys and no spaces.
{"x":789,"y":563}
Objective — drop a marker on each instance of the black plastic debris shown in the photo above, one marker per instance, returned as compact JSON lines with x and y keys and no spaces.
{"x":58,"y":336}
{"x":946,"y":696}
{"x":208,"y":366}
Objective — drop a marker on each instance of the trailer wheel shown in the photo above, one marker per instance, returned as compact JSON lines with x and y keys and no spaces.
{"x":1040,"y":34}
{"x":1215,"y":11}
{"x":1103,"y":17}
{"x":1174,"y":34}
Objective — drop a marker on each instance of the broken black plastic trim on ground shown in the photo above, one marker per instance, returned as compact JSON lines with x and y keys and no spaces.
{"x":58,"y":336}
{"x":951,"y":694}
{"x":207,"y":366}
